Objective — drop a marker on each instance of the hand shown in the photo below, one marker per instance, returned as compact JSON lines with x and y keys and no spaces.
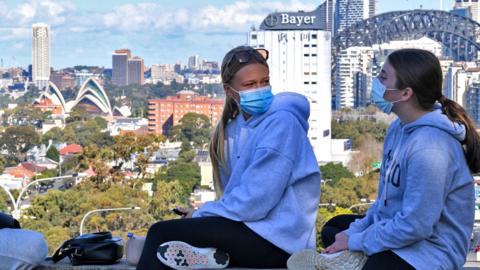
{"x":341,"y":243}
{"x":184,"y":212}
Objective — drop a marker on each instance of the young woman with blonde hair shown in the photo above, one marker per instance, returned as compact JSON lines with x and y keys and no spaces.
{"x":266,"y":178}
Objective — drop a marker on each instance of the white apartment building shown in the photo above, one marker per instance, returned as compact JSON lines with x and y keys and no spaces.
{"x":300,"y":61}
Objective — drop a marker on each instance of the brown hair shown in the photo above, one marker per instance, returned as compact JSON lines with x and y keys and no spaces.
{"x":421,"y":71}
{"x":230,"y":66}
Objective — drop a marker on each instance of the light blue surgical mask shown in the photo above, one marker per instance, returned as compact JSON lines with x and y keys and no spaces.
{"x":378,"y":90}
{"x":255,"y":101}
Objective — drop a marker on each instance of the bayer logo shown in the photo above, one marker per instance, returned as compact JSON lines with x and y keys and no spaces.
{"x":271,"y":20}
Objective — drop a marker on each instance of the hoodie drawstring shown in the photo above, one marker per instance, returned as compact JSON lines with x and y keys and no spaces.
{"x":390,"y":167}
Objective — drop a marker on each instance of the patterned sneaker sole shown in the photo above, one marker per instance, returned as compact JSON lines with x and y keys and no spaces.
{"x":347,"y":260}
{"x":180,"y":255}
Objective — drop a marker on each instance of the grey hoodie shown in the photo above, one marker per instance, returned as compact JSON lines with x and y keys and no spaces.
{"x":424,"y":211}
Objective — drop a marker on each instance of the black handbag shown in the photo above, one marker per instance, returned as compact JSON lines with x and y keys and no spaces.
{"x":7,"y":221}
{"x":92,"y":248}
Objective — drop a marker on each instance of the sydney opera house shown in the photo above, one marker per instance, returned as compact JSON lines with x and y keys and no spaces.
{"x":91,"y":97}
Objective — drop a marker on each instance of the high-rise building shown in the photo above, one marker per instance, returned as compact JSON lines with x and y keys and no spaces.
{"x":300,"y":61}
{"x":40,"y":55}
{"x":120,"y":67}
{"x":472,"y":98}
{"x":327,"y":15}
{"x":193,"y":62}
{"x":354,"y":69}
{"x":136,"y":69}
{"x":468,"y":7}
{"x":166,"y":112}
{"x":349,"y":12}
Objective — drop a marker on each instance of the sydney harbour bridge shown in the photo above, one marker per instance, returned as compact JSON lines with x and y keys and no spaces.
{"x":459,"y":35}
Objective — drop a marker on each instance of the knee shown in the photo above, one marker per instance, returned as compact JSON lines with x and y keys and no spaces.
{"x":28,"y":246}
{"x":37,"y":246}
{"x":159,"y":228}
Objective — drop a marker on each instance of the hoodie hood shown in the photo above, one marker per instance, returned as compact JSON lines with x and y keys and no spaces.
{"x":438,"y":120}
{"x":294,"y":103}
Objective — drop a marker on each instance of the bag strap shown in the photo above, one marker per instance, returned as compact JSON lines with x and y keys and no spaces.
{"x":63,"y":251}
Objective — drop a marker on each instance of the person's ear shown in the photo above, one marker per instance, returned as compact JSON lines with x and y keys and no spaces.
{"x":408,"y":93}
{"x":226,"y":88}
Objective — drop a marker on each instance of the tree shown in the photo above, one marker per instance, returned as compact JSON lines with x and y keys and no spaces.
{"x":3,"y":200}
{"x":188,"y":174}
{"x":53,"y":154}
{"x":357,"y":129}
{"x":86,"y":133}
{"x":368,"y":152}
{"x":70,"y":163}
{"x":194,"y":128}
{"x":27,"y":115}
{"x":58,"y":214}
{"x":3,"y":162}
{"x":128,"y":144}
{"x":16,"y":140}
{"x":167,"y":196}
{"x":55,"y":134}
{"x":78,"y":114}
{"x":334,"y":171}
{"x":101,"y":122}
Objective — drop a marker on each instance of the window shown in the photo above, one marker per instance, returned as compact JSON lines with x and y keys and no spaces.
{"x":254,"y":36}
{"x":306,"y":45}
{"x":306,"y":54}
{"x":314,"y":138}
{"x":306,"y":73}
{"x":261,"y":46}
{"x":314,"y":36}
{"x":314,"y":73}
{"x":314,"y":54}
{"x":314,"y":82}
{"x":326,"y":132}
{"x":314,"y":45}
{"x":306,"y":82}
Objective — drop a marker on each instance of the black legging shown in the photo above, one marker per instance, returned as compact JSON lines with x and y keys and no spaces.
{"x":245,"y":247}
{"x":387,"y":260}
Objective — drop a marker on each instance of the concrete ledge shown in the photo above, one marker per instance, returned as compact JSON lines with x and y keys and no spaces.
{"x":66,"y":265}
{"x":122,"y":265}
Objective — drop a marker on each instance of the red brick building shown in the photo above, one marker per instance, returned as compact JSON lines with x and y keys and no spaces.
{"x":166,"y":112}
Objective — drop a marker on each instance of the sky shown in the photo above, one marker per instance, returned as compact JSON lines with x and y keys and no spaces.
{"x":86,"y":32}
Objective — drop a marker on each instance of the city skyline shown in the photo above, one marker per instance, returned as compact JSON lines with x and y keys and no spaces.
{"x":86,"y":33}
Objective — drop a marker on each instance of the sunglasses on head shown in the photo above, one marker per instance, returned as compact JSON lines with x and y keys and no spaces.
{"x":245,"y":56}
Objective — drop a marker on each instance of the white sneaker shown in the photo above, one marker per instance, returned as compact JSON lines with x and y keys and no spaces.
{"x":310,"y":260}
{"x":180,"y":255}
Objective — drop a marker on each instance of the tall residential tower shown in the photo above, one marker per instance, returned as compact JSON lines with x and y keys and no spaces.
{"x":40,"y":55}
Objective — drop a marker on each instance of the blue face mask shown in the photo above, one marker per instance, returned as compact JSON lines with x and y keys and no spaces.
{"x":378,"y":90}
{"x":255,"y":101}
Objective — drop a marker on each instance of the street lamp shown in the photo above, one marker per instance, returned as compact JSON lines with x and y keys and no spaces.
{"x":105,"y":210}
{"x":16,"y":203}
{"x":359,"y":204}
{"x":326,"y":204}
{"x":324,"y":181}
